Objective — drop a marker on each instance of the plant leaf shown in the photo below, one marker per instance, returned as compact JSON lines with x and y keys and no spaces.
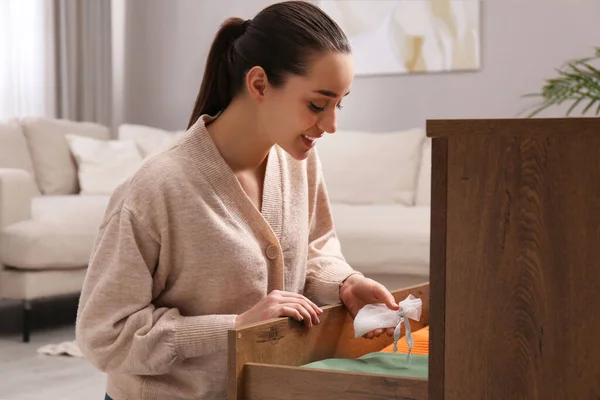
{"x":577,"y":80}
{"x":588,"y":106}
{"x":574,"y":105}
{"x":541,"y":108}
{"x":592,"y":69}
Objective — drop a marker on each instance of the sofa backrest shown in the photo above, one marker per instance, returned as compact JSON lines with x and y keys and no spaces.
{"x":54,"y":165}
{"x":149,"y":140}
{"x":372,"y":167}
{"x":14,"y":152}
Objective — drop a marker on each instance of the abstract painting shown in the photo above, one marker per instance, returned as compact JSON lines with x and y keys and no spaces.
{"x":409,"y":36}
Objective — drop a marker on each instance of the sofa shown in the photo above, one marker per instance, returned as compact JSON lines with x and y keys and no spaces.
{"x":56,"y":177}
{"x":379,"y":184}
{"x":55,"y":181}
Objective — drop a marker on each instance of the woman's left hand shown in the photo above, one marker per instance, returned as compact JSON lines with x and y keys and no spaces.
{"x":358,"y":291}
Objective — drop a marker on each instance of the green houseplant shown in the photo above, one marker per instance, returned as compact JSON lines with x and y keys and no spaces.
{"x":578,"y":83}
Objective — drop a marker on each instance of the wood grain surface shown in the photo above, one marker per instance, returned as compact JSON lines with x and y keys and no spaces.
{"x":513,"y":127}
{"x":521,"y":276}
{"x":284,"y":341}
{"x":273,"y":382}
{"x":437,"y":273}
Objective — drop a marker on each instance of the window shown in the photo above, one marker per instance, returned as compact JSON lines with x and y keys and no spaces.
{"x":26,"y":64}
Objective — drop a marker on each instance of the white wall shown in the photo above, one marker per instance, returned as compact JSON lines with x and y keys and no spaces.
{"x":166,"y":44}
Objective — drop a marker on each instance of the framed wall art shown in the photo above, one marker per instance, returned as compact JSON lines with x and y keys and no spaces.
{"x":409,"y":36}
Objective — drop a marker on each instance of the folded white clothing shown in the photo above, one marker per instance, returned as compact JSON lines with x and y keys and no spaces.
{"x":380,"y":316}
{"x":64,"y":348}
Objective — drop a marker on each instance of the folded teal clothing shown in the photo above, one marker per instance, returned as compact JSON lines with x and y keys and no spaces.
{"x":379,"y":363}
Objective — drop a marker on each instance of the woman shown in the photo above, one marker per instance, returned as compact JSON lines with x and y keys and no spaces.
{"x":230,"y":226}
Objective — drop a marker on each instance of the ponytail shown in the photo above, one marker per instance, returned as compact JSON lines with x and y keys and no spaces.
{"x":280,"y":39}
{"x":217,"y":89}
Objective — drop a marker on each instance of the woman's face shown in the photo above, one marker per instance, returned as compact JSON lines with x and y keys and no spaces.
{"x":295,"y":115}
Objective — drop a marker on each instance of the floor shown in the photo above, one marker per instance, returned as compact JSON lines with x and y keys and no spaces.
{"x":26,"y":375}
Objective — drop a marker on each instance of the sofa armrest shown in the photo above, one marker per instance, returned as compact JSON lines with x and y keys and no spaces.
{"x":17,"y":188}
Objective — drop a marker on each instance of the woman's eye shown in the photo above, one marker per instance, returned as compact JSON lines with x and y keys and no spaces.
{"x":315,"y":108}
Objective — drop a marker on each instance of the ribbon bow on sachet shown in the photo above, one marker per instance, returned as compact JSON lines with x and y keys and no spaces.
{"x":379,"y":316}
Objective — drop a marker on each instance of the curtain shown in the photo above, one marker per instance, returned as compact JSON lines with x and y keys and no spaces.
{"x":26,"y":59}
{"x":55,"y":59}
{"x":83,"y":60}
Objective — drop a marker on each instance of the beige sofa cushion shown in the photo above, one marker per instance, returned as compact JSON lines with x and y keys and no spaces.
{"x":423,"y":193}
{"x":84,"y":211}
{"x":17,"y":188}
{"x":39,"y":284}
{"x":14,"y":152}
{"x":55,"y":167}
{"x":371,"y":167}
{"x":384,"y":239}
{"x":60,"y":233}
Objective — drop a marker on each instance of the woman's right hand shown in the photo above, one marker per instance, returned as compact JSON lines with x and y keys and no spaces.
{"x":281,"y":304}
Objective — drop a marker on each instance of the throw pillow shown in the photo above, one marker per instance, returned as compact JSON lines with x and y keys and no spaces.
{"x":371,"y":167}
{"x":103,"y":164}
{"x":149,"y":140}
{"x":55,"y":168}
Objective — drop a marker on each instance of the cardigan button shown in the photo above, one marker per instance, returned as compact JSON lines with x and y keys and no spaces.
{"x":272,"y":252}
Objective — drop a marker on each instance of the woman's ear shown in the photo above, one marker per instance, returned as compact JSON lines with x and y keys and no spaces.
{"x":256,"y":83}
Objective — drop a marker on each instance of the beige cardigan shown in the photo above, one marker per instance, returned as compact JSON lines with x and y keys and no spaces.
{"x":182,"y":250}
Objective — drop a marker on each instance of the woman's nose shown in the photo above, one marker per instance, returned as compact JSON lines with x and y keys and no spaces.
{"x":328,"y":122}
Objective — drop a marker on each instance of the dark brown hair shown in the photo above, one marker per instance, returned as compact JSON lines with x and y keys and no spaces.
{"x":280,"y":39}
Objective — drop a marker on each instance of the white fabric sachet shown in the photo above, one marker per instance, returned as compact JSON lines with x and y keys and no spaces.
{"x":379,"y":316}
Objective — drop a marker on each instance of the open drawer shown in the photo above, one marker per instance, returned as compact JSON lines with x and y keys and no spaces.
{"x":266,"y":359}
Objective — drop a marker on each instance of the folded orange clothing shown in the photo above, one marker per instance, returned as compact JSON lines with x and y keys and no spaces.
{"x":421,"y":343}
